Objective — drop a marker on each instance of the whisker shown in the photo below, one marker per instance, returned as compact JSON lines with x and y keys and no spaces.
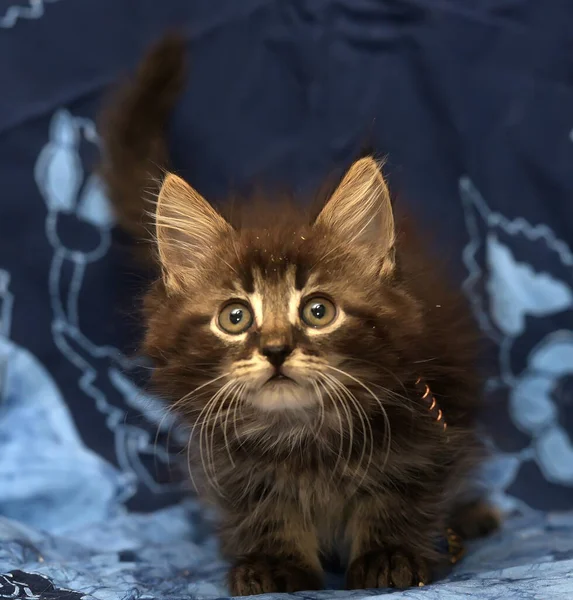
{"x":206,"y":409}
{"x":365,"y":421}
{"x":380,"y":405}
{"x":385,"y":369}
{"x":321,"y":415}
{"x":340,"y":428}
{"x":348,"y":412}
{"x":189,"y":470}
{"x":169,"y":409}
{"x":234,"y":400}
{"x":191,"y":435}
{"x":214,"y":380}
{"x":206,"y":461}
{"x":237,"y":406}
{"x":232,"y":390}
{"x":204,"y":434}
{"x":156,"y":442}
{"x":404,"y":401}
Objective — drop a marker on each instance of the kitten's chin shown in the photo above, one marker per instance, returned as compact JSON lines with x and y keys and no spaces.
{"x":283,"y":395}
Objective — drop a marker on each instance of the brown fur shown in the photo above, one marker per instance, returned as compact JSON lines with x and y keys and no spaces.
{"x":134,"y":134}
{"x":345,"y":455}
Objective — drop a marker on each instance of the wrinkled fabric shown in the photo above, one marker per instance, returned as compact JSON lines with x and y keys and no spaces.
{"x":471,"y":103}
{"x":169,"y":555}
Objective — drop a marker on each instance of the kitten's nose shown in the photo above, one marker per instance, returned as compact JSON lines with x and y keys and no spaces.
{"x":276,"y":353}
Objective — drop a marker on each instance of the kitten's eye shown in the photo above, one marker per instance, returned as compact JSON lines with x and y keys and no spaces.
{"x":235,"y":318}
{"x":318,"y":312}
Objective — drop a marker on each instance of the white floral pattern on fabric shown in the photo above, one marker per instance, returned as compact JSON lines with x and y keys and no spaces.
{"x":508,"y":295}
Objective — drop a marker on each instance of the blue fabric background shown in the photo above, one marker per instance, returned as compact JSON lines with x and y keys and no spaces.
{"x":472,"y":103}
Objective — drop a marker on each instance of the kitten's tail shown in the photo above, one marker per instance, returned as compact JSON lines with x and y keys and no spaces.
{"x":134,"y":135}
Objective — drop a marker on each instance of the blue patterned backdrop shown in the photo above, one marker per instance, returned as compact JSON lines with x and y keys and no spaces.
{"x":473,"y":103}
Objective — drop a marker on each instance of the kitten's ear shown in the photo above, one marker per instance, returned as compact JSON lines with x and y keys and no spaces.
{"x":187,"y":229}
{"x":360,"y":210}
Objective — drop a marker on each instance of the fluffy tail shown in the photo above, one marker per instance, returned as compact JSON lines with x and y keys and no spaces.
{"x":134,"y":134}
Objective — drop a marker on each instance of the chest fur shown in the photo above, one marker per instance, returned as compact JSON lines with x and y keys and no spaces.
{"x":324,"y":502}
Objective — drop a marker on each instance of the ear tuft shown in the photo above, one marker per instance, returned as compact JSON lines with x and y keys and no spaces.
{"x":360,"y":210}
{"x":187,"y":228}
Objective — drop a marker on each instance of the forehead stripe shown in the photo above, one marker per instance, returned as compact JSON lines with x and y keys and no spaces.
{"x":300,"y":277}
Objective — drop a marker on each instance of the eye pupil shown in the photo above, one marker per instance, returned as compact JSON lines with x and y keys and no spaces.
{"x":318,"y":311}
{"x":236,"y":316}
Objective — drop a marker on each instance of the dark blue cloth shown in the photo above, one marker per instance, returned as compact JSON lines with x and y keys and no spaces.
{"x":473,"y":105}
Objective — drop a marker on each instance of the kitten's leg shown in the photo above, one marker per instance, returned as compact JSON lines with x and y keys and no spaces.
{"x":475,"y":519}
{"x":272,"y":553}
{"x":385,"y":552}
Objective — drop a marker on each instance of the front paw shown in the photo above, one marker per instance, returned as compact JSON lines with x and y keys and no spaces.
{"x":264,"y":575}
{"x":475,"y":520}
{"x":387,"y":568}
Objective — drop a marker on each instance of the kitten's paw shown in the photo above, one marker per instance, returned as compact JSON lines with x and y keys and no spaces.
{"x":475,"y":520}
{"x":387,"y":568}
{"x":264,"y":575}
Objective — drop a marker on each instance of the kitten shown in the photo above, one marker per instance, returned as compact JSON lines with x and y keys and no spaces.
{"x":327,"y":373}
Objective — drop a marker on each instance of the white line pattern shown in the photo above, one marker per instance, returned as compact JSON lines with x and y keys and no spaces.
{"x":34,"y":9}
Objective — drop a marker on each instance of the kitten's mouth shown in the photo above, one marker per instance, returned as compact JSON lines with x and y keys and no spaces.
{"x":278,"y":377}
{"x":281,"y":393}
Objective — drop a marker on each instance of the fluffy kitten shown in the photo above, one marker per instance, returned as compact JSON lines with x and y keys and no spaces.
{"x":317,"y":359}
